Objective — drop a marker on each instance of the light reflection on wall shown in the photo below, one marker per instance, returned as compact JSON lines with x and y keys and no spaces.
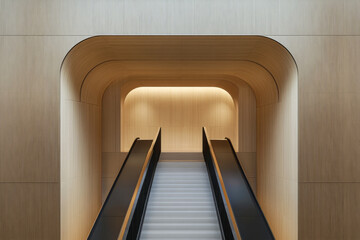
{"x":181,"y":112}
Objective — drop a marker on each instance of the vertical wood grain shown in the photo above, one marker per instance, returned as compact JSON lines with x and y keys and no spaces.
{"x":247,"y":119}
{"x":30,"y":211}
{"x":29,"y":82}
{"x":80,"y":168}
{"x":277,"y":161}
{"x":181,"y":112}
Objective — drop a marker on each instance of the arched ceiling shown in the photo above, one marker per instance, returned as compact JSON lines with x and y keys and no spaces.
{"x":195,"y":73}
{"x":94,"y":63}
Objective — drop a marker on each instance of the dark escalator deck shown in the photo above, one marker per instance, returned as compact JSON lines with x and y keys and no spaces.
{"x":249,"y":218}
{"x":181,"y":201}
{"x":111,"y":217}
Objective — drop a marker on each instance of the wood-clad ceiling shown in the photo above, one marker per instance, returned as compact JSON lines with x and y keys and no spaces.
{"x":94,"y":63}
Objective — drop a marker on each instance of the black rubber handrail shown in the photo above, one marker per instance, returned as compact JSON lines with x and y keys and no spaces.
{"x":239,"y":212}
{"x":227,"y":225}
{"x":132,"y":225}
{"x":111,"y":190}
{"x":250,"y":189}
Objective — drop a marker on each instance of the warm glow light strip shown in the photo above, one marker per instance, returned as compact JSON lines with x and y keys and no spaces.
{"x":232,"y":216}
{"x":131,"y":206}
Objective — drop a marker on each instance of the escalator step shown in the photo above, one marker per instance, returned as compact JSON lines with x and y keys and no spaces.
{"x":181,"y":204}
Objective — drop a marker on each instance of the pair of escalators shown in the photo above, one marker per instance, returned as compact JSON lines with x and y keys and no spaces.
{"x":152,"y":199}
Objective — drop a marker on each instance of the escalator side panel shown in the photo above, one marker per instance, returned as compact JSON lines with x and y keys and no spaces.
{"x":249,"y":218}
{"x":111,"y":217}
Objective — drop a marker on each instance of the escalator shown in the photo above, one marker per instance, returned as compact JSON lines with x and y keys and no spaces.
{"x":152,"y":199}
{"x":180,"y":204}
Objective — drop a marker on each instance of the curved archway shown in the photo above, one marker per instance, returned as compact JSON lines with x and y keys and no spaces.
{"x":262,"y":63}
{"x":246,"y":56}
{"x":260,"y":80}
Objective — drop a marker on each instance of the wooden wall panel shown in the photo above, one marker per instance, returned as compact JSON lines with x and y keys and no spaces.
{"x":351,"y":220}
{"x":351,"y":17}
{"x":204,"y":24}
{"x":306,"y":20}
{"x":136,"y":12}
{"x":30,"y":211}
{"x":328,"y":102}
{"x":272,"y":17}
{"x":267,"y":17}
{"x":110,"y":124}
{"x":247,"y":119}
{"x":324,"y":214}
{"x":80,"y":168}
{"x":67,"y":17}
{"x":328,"y":136}
{"x":247,"y":133}
{"x":112,"y":159}
{"x":30,"y":135}
{"x":329,"y":155}
{"x":29,"y":108}
{"x":277,"y":170}
{"x":277,"y":160}
{"x":181,"y":112}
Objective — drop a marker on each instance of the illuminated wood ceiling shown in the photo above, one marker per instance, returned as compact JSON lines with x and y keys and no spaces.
{"x":222,"y":61}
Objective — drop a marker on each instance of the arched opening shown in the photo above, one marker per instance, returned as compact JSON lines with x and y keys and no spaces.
{"x":225,"y":61}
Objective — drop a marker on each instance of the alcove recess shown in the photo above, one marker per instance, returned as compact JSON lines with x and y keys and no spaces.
{"x":257,"y":72}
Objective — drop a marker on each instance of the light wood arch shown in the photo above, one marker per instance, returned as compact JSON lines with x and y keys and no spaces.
{"x":264,"y":64}
{"x":253,"y":57}
{"x":259,"y":79}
